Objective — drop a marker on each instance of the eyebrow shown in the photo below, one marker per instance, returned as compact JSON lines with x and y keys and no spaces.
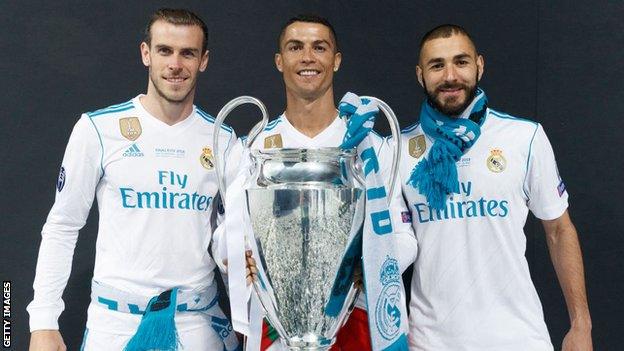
{"x":299,"y":42}
{"x":461,"y":56}
{"x":293,"y":41}
{"x":456,"y":57}
{"x":163,"y":46}
{"x":323,"y":41}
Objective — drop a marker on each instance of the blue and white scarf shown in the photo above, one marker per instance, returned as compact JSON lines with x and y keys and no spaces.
{"x":435,"y":176}
{"x":157,"y":330}
{"x":385,"y":296}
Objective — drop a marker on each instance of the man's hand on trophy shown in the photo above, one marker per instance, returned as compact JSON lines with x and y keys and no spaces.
{"x":252,"y":270}
{"x":358,"y":279}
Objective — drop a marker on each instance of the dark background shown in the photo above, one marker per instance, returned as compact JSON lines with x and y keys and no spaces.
{"x":557,"y":62}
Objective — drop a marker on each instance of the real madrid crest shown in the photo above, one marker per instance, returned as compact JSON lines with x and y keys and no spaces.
{"x":130,"y":128}
{"x":206,"y":158}
{"x":496,"y":162}
{"x":273,"y":141}
{"x":417,"y":146}
{"x":388,"y":308}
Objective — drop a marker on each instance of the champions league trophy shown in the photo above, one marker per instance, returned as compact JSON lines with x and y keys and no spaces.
{"x":307,"y":210}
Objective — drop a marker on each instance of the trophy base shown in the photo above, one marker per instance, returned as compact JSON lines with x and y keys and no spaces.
{"x":309,"y":342}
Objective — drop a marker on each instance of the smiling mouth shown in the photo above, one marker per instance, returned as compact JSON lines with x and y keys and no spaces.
{"x":175,"y":79}
{"x":308,"y":73}
{"x":450,"y":89}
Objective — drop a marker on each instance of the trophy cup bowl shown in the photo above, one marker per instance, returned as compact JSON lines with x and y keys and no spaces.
{"x":307,"y":208}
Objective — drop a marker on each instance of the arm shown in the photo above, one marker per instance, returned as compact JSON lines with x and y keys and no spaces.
{"x":82,"y":171}
{"x":46,"y":340}
{"x":548,"y":200}
{"x":565,"y":253}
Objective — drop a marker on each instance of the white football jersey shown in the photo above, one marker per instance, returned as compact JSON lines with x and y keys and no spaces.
{"x":471,"y":288}
{"x":155,"y":185}
{"x":279,"y":133}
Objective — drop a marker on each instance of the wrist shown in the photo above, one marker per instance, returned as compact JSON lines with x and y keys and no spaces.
{"x":581,"y":322}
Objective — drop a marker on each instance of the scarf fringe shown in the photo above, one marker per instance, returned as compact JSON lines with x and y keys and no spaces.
{"x":436,"y":177}
{"x":157,"y":330}
{"x":155,"y":334}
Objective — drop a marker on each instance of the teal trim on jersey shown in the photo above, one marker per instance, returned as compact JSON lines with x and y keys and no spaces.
{"x":507,"y":116}
{"x":101,"y":146}
{"x":112,"y":304}
{"x":410,"y":128}
{"x":273,"y":124}
{"x":526,"y":171}
{"x":121,"y":104}
{"x":113,"y":108}
{"x":211,"y":119}
{"x":84,"y":339}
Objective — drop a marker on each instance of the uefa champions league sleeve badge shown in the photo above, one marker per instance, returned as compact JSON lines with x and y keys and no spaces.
{"x":60,"y":183}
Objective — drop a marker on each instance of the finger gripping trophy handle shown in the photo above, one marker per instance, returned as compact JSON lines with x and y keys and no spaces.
{"x":255,"y":131}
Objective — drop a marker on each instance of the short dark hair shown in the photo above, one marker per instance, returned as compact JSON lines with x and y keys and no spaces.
{"x":309,"y":18}
{"x":180,"y":17}
{"x":445,"y":31}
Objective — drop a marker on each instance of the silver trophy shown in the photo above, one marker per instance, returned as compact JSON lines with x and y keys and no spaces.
{"x":307,"y":210}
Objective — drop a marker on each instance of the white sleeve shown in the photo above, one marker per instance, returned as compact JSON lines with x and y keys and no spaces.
{"x":548,"y":198}
{"x":81,"y":171}
{"x":219,"y":244}
{"x":408,"y":246}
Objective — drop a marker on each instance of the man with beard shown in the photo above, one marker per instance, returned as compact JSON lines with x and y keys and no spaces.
{"x":150,"y":163}
{"x":470,"y":175}
{"x":308,"y":56}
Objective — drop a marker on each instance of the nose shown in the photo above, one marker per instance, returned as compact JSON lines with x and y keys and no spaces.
{"x":175,"y":62}
{"x":307,"y":55}
{"x":449,"y":73}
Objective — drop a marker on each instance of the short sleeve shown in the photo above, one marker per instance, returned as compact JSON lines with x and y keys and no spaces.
{"x":546,"y":191}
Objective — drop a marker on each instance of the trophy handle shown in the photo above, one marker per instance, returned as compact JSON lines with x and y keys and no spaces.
{"x":396,"y":138}
{"x":253,"y":134}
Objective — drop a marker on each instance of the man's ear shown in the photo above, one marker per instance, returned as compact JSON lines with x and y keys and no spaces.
{"x":419,"y":75}
{"x":204,"y":62}
{"x":145,"y":54}
{"x":278,"y":62}
{"x":337,"y":61}
{"x":480,"y":67}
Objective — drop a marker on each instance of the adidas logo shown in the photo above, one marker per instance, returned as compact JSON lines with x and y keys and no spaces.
{"x":133,"y":151}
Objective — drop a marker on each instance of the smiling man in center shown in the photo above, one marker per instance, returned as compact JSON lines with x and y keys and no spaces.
{"x":308,"y":57}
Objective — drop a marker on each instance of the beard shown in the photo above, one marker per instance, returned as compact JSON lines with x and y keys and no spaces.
{"x":449,"y":107}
